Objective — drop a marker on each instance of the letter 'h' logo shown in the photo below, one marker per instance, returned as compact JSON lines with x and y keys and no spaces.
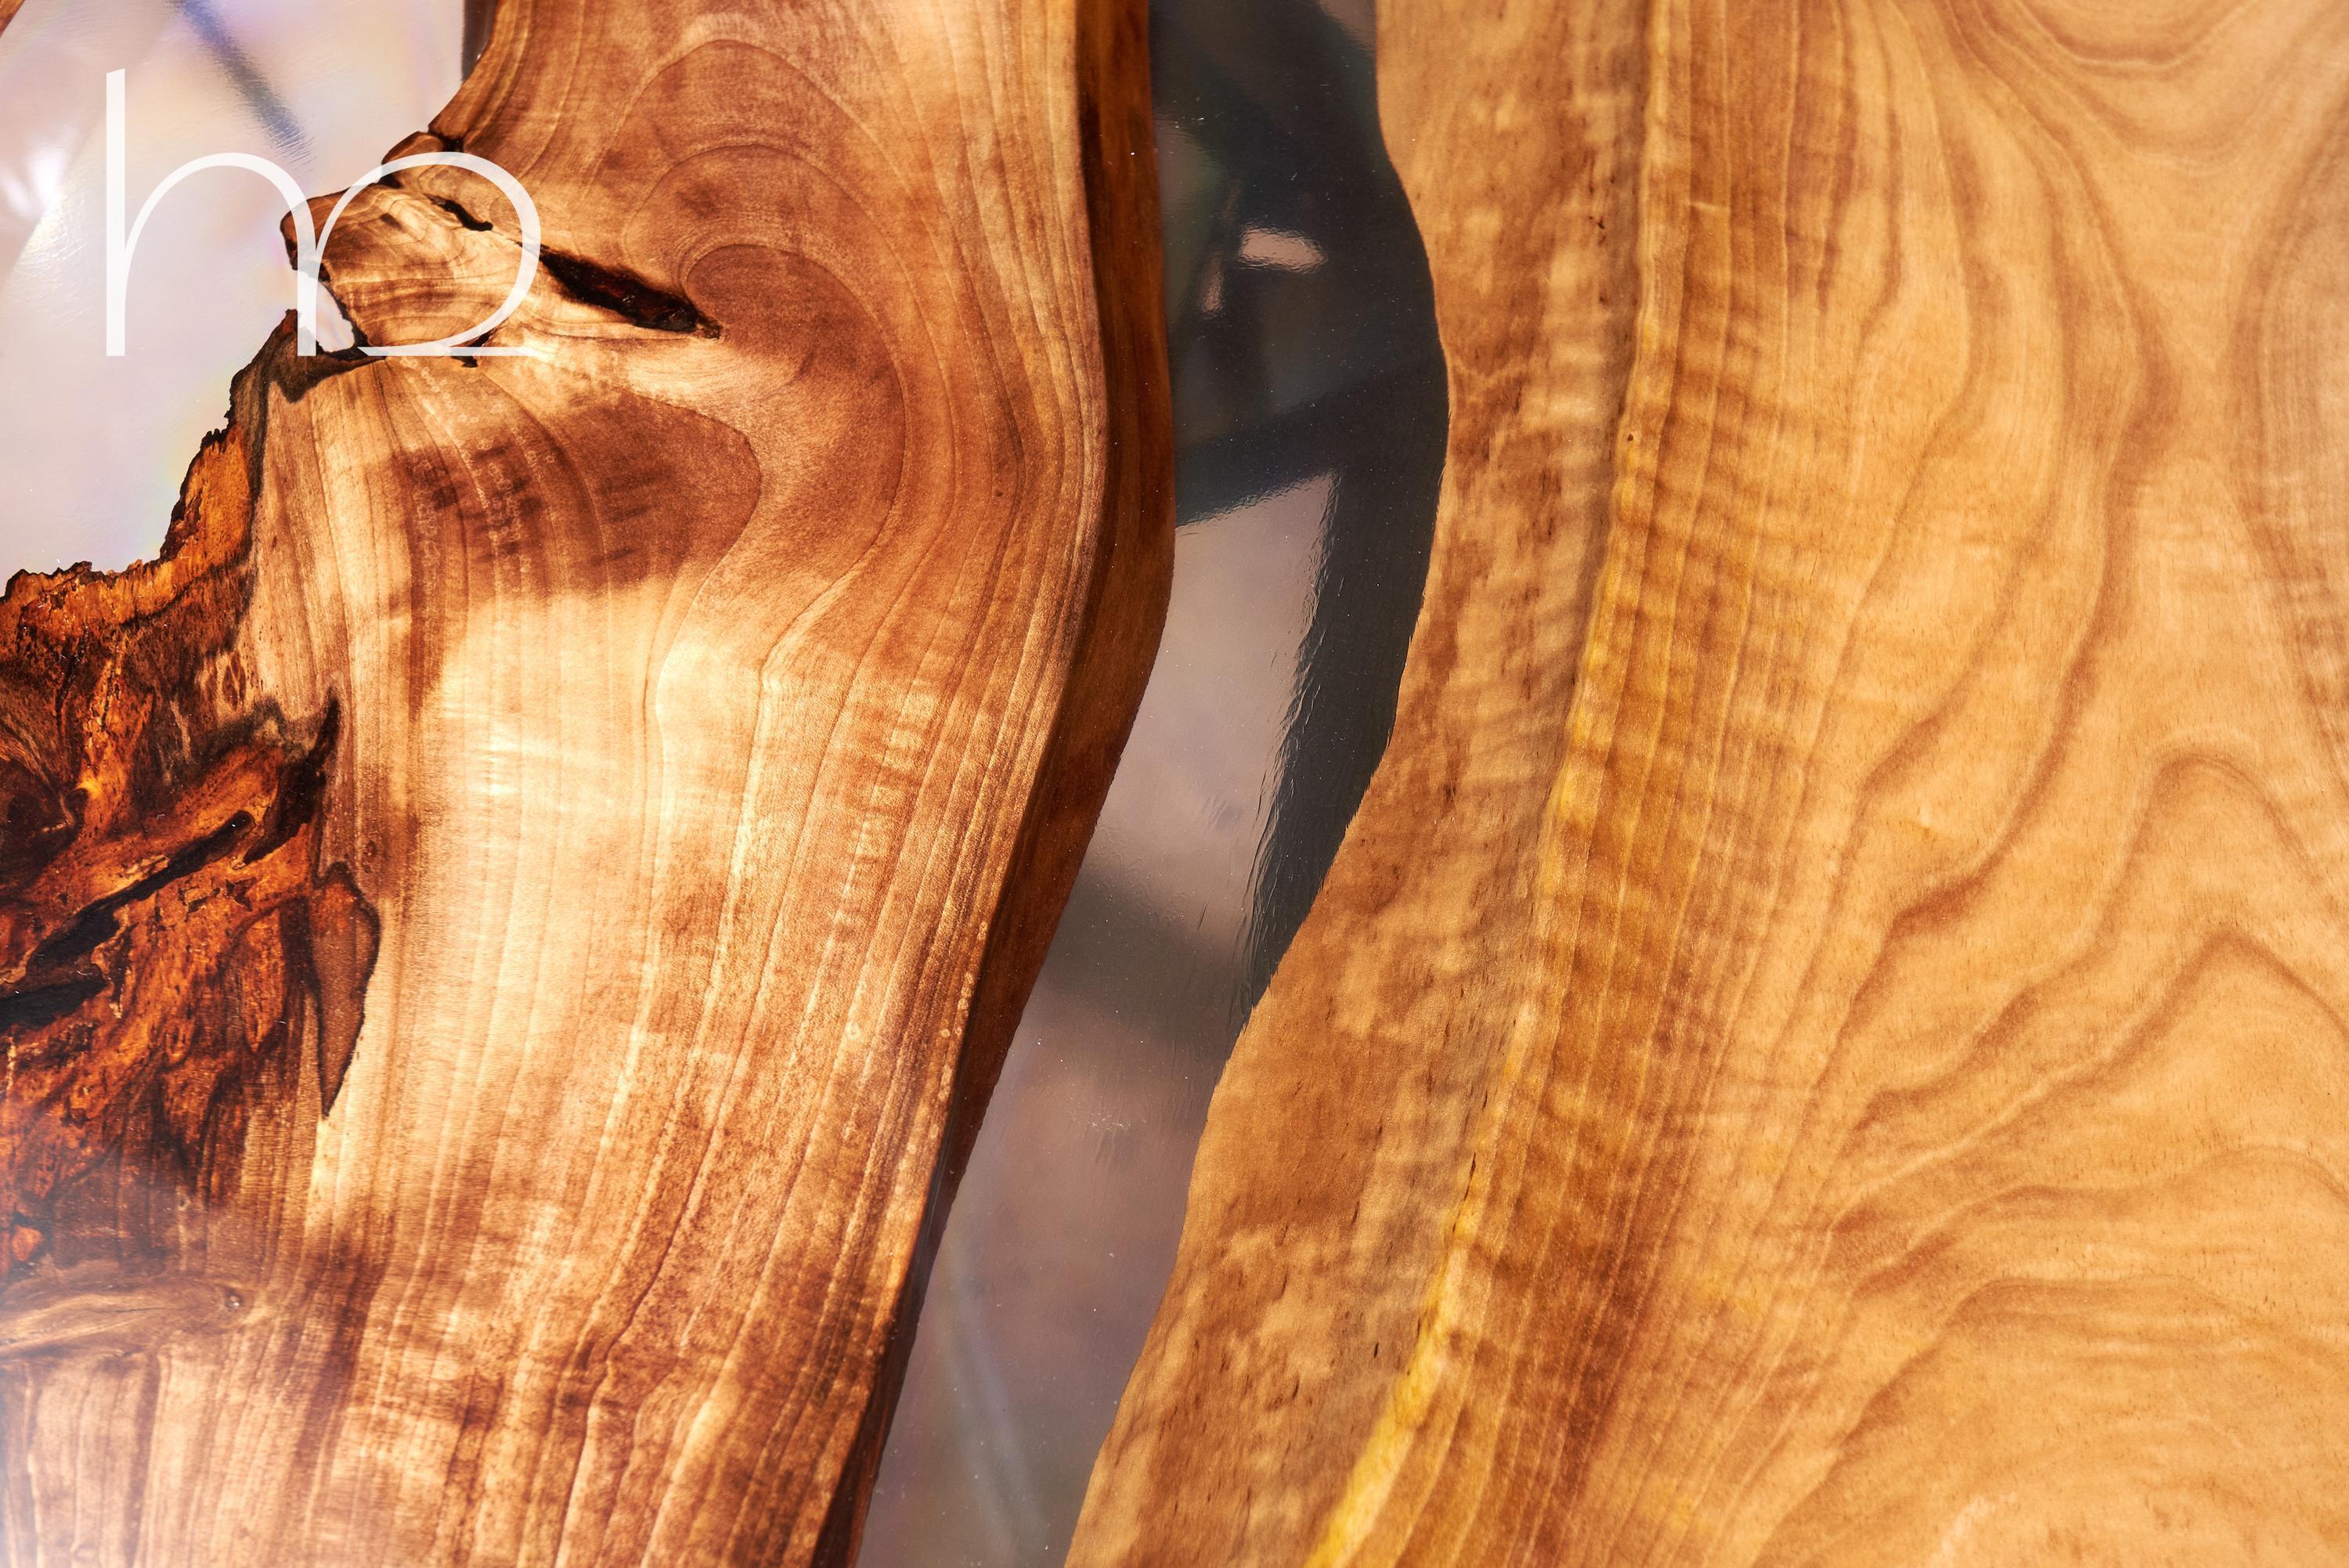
{"x":309,"y":244}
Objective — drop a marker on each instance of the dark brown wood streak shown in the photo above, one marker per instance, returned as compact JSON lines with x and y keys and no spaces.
{"x":514,"y":915}
{"x":176,"y":961}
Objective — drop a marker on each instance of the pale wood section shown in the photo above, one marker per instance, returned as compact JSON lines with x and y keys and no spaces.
{"x":720,"y":697}
{"x":1916,"y":1129}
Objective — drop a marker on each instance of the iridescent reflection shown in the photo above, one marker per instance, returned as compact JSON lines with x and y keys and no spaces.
{"x":1310,"y":406}
{"x":92,"y":450}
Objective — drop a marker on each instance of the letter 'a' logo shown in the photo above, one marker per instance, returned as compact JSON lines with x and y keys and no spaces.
{"x":308,"y":246}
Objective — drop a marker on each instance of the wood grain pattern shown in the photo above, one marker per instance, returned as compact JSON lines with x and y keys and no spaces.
{"x":1315,"y":1206}
{"x":171,"y":950}
{"x":675,"y":744}
{"x":1912,"y":1128}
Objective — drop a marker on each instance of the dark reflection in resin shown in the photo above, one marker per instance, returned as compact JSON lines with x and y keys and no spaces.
{"x":1309,"y":410}
{"x":1286,"y":371}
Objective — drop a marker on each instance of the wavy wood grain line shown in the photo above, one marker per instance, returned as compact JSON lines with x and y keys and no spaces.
{"x":1913,"y":1128}
{"x":706,"y":709}
{"x":1340,"y":1127}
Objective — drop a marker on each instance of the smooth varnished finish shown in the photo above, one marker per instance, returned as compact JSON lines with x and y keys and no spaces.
{"x":509,"y":921}
{"x":1894,"y":1110}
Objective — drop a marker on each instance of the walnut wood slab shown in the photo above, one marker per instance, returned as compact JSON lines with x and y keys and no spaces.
{"x":507,"y":924}
{"x":1866,"y":1082}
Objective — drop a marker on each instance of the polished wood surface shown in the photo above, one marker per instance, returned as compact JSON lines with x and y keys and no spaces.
{"x":1904,"y":1118}
{"x":1317,"y":1204}
{"x":506,"y":926}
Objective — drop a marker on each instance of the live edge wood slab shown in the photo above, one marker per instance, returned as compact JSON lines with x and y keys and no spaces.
{"x":507,"y":923}
{"x":1852,"y":1066}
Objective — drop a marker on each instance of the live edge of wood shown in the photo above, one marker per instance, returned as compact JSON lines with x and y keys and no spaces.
{"x":508,"y":924}
{"x":1849,"y":1068}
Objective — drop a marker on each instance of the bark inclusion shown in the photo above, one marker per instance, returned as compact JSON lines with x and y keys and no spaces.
{"x":175,"y":953}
